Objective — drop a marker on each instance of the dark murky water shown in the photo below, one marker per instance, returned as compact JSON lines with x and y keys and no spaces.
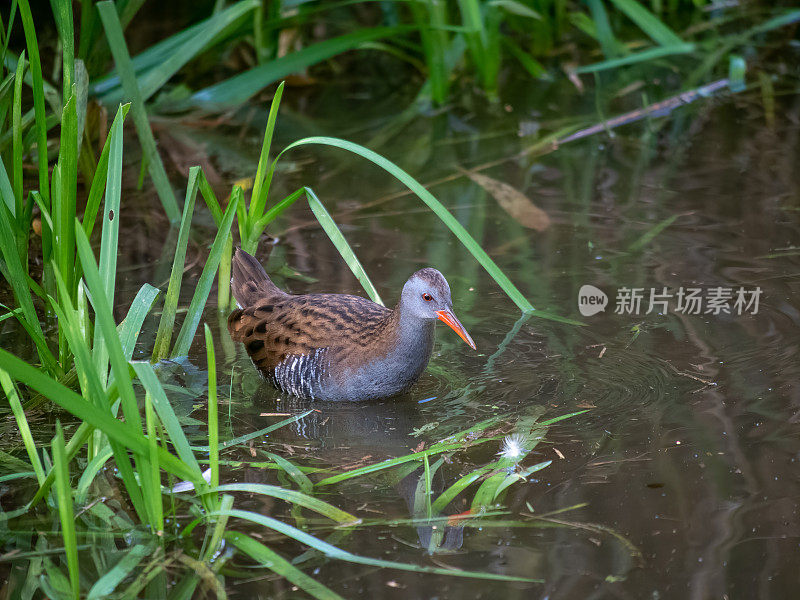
{"x":686,"y":460}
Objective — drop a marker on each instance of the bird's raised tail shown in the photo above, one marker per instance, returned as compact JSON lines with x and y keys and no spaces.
{"x":250,"y":282}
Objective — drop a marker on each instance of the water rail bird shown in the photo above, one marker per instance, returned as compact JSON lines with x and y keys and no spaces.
{"x":334,"y":347}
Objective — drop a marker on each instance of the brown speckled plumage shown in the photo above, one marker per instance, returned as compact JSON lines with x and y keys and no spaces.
{"x":331,"y":346}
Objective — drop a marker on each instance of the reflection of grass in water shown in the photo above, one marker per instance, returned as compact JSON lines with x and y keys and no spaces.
{"x":431,"y":512}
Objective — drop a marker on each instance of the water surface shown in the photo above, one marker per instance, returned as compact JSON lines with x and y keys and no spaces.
{"x":684,"y":465}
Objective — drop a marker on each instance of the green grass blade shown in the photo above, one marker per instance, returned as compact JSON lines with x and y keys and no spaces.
{"x":335,"y":235}
{"x":263,"y":176}
{"x":157,"y":54}
{"x":19,"y":285}
{"x":203,"y":288}
{"x":131,"y":326}
{"x":240,"y":88}
{"x":167,"y":322}
{"x":224,"y":271}
{"x":99,"y":181}
{"x":213,"y":423}
{"x":62,"y":14}
{"x":485,"y":496}
{"x":637,"y":57}
{"x":38,"y":96}
{"x":292,"y":496}
{"x":116,"y":41}
{"x":110,"y":232}
{"x":65,"y":203}
{"x":105,"y":586}
{"x":293,"y":471}
{"x":787,"y":18}
{"x":22,"y":425}
{"x":276,"y":563}
{"x":90,"y":383}
{"x":650,"y":24}
{"x":7,"y":190}
{"x":219,"y":528}
{"x":65,"y":510}
{"x":651,"y":233}
{"x":444,"y":215}
{"x":602,"y":27}
{"x":76,"y":443}
{"x":447,"y":496}
{"x":16,"y":124}
{"x":516,"y":8}
{"x":104,"y":319}
{"x":146,"y":374}
{"x":174,"y":56}
{"x":388,"y":463}
{"x":337,"y":553}
{"x":76,"y":405}
{"x":90,"y":472}
{"x":268,"y":217}
{"x":256,"y":434}
{"x":560,"y":418}
{"x":150,"y":476}
{"x":70,"y":327}
{"x":534,"y":68}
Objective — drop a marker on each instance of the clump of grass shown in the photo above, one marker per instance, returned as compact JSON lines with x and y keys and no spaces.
{"x":88,"y":372}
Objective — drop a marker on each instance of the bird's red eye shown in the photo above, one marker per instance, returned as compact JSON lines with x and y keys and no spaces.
{"x":427,"y":297}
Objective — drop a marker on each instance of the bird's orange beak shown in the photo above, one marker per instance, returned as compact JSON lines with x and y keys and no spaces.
{"x":448,"y":317}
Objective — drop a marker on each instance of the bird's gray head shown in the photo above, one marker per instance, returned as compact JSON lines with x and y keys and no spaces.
{"x":426,"y":295}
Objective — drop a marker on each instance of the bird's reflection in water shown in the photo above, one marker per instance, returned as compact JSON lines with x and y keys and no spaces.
{"x":347,"y":432}
{"x":434,"y":535}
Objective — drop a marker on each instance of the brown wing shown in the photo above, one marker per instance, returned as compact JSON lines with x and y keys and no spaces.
{"x":298,"y":325}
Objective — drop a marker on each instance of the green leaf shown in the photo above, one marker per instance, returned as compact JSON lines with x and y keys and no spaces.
{"x":240,"y":88}
{"x":276,"y":563}
{"x":293,"y":496}
{"x":109,"y":581}
{"x":447,"y":496}
{"x":534,"y":68}
{"x":167,"y":322}
{"x":516,"y":8}
{"x":337,"y":553}
{"x":116,"y":41}
{"x":169,"y":419}
{"x":65,"y":510}
{"x":263,"y":178}
{"x":444,"y":215}
{"x":637,"y":57}
{"x":86,"y":411}
{"x":650,"y":24}
{"x":131,"y":326}
{"x":22,"y":424}
{"x":175,"y":52}
{"x":203,"y":286}
{"x":213,"y":421}
{"x":38,"y":96}
{"x":388,"y":463}
{"x":110,"y":232}
{"x":293,"y":471}
{"x":335,"y":235}
{"x":256,"y":434}
{"x":19,"y":285}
